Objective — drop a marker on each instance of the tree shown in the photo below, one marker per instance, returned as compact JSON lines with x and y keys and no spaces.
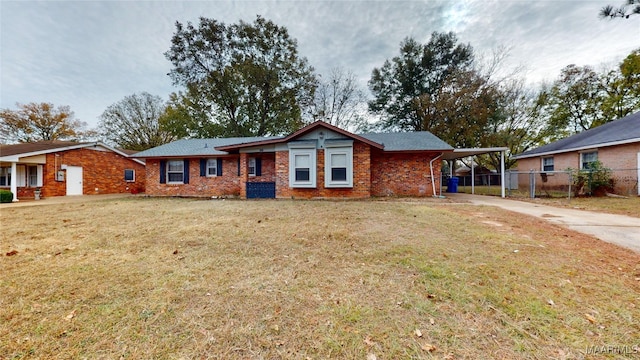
{"x":612,"y":12}
{"x":572,"y":103}
{"x":133,"y":122}
{"x":622,"y":88}
{"x":248,"y":77}
{"x":40,"y":122}
{"x":581,"y":98}
{"x":339,"y":101}
{"x":415,"y":76}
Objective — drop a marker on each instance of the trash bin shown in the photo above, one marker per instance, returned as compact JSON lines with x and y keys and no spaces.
{"x":452,"y":185}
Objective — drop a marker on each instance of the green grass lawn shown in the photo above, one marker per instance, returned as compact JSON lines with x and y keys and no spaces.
{"x":144,"y":278}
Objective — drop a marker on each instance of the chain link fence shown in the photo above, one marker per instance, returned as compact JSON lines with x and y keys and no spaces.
{"x":550,"y":184}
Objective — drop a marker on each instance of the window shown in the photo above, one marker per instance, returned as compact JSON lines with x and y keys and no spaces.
{"x":32,"y":176}
{"x":587,"y":159}
{"x":175,"y":171}
{"x":5,"y":176}
{"x":338,"y":164}
{"x":252,"y":166}
{"x":302,"y":166}
{"x":212,"y":167}
{"x":129,"y":175}
{"x":547,"y":164}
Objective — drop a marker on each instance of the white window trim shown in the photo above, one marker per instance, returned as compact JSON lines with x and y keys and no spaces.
{"x":328,"y":152}
{"x":293,"y":151}
{"x":251,"y":164}
{"x":168,"y":171}
{"x":207,"y":167}
{"x":582,"y":153}
{"x":542,"y":163}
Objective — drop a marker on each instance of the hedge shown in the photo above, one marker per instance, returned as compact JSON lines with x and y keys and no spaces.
{"x":6,"y":196}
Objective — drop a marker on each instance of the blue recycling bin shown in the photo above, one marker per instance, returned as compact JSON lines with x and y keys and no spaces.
{"x":452,"y":185}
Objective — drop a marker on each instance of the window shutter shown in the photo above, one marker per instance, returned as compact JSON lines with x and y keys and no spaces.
{"x":238,"y":166}
{"x":258,"y":167}
{"x":21,"y":176}
{"x":218,"y":167}
{"x":40,"y":175}
{"x":185,"y":178}
{"x":163,"y":171}
{"x":203,"y":167}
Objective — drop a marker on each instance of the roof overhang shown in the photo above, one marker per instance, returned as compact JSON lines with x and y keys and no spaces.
{"x":17,"y":157}
{"x":466,"y":152}
{"x":579,"y":148}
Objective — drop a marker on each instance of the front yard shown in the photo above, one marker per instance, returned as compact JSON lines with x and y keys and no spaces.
{"x":141,"y":278}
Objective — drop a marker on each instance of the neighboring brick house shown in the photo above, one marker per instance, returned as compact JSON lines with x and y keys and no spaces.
{"x":68,"y":168}
{"x":615,"y":144}
{"x":318,"y":161}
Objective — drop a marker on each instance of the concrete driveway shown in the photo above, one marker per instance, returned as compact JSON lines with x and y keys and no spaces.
{"x":618,"y":229}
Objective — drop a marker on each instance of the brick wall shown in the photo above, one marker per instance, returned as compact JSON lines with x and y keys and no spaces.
{"x":227,"y":184}
{"x":622,"y":159}
{"x":361,"y":176}
{"x":102,"y":173}
{"x":403,"y":174}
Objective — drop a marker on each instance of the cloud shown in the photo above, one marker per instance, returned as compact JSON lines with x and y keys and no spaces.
{"x":91,"y":54}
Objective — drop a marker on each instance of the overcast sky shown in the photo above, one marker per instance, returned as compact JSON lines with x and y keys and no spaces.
{"x":91,"y":54}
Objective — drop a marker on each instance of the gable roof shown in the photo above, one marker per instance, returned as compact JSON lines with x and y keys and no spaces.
{"x":13,"y":152}
{"x":412,"y":141}
{"x":301,"y":132}
{"x":622,"y":131}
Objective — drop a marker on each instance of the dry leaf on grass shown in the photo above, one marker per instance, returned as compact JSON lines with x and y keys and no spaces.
{"x":71,"y":315}
{"x":590,"y":318}
{"x":428,"y":347}
{"x":368,"y":341}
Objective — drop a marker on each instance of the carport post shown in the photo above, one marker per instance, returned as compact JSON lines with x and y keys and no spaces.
{"x":502,"y":172}
{"x":473,"y":176}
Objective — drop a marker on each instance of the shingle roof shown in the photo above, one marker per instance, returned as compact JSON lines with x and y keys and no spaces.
{"x":408,"y":141}
{"x":413,"y":141}
{"x":196,"y":147}
{"x":25,"y":148}
{"x":15,"y":151}
{"x":624,"y":130}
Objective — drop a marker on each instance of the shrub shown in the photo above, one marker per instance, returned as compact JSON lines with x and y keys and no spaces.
{"x":6,"y":196}
{"x":595,"y":181}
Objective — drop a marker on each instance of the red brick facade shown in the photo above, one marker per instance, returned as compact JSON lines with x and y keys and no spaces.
{"x":361,"y":177}
{"x":226,"y":185}
{"x":375,"y":173}
{"x":403,"y":174}
{"x":102,"y":173}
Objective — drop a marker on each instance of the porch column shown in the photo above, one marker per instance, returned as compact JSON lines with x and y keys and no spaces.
{"x":14,"y":181}
{"x":502,"y":172}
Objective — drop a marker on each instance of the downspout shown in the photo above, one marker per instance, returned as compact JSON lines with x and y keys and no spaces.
{"x":433,"y":184}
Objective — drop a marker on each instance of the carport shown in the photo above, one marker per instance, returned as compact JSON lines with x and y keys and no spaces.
{"x":463,"y":153}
